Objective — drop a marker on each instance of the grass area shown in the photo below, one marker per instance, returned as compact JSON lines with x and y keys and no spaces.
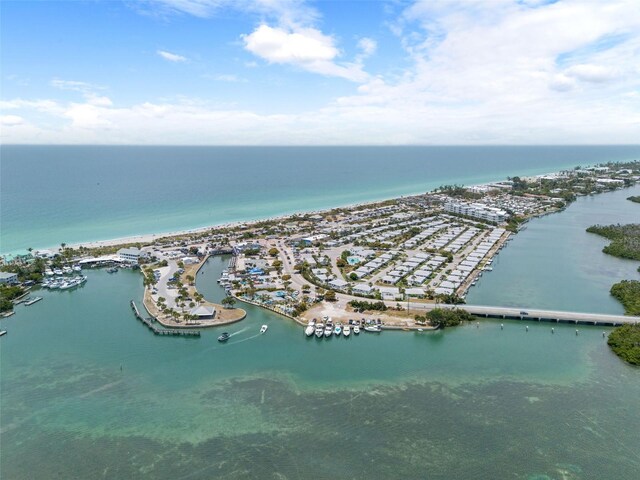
{"x":625,"y":343}
{"x":625,"y":239}
{"x":628,"y":293}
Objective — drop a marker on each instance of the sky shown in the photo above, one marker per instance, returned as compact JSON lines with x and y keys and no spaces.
{"x":289,"y":72}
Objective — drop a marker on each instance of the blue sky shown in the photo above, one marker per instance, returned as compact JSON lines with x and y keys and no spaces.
{"x":296,"y":72}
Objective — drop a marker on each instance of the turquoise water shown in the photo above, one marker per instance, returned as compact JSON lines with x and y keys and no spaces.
{"x":89,"y":392}
{"x":555,"y":264}
{"x":55,"y":194}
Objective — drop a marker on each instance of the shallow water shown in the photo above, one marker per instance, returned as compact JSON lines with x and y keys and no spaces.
{"x":87,"y":392}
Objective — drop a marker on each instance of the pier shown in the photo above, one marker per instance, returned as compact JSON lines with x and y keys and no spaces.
{"x":148,"y":321}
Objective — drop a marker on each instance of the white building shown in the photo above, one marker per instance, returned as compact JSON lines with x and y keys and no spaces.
{"x":129,"y":255}
{"x":477,"y":210}
{"x":8,"y":278}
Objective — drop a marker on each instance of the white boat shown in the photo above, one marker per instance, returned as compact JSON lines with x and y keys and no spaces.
{"x":372,"y":328}
{"x":263,"y":328}
{"x":48,"y":272}
{"x":77,"y":268}
{"x":319,"y":330}
{"x":57,"y":271}
{"x":337,"y":330}
{"x":347,"y":331}
{"x":309,"y":330}
{"x":3,"y":332}
{"x":356,"y":330}
{"x":67,"y":270}
{"x":328,"y":331}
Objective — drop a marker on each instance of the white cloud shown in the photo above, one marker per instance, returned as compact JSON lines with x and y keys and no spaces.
{"x":74,"y":85}
{"x":367,"y":46}
{"x":11,"y":120}
{"x":226,"y":77}
{"x":291,"y":13}
{"x":592,"y":73}
{"x":307,"y":48}
{"x":172,"y":57}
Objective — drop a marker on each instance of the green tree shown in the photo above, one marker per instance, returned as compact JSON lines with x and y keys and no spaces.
{"x":228,"y":302}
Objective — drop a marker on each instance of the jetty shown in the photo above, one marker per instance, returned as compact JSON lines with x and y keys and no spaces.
{"x":149,"y":322}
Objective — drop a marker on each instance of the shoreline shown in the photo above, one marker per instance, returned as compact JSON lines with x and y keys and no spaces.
{"x":150,"y":237}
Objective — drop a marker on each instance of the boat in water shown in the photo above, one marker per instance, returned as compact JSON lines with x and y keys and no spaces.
{"x":319,"y":330}
{"x":224,"y":337}
{"x":263,"y":328}
{"x":328,"y":331}
{"x":337,"y":330}
{"x":309,"y":330}
{"x":346,"y":331}
{"x":373,"y":328}
{"x":3,"y":332}
{"x":356,"y":330}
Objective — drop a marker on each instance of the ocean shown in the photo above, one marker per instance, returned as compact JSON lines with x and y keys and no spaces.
{"x":72,"y":194}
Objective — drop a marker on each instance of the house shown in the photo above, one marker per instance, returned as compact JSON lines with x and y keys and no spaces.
{"x":203,"y":312}
{"x":415,"y":292}
{"x":8,"y":278}
{"x":338,"y":284}
{"x":129,"y":255}
{"x":362,"y":289}
{"x":390,"y":293}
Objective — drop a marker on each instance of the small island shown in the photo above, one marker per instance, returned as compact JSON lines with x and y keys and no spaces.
{"x":634,"y":198}
{"x":625,"y":343}
{"x":625,"y":239}
{"x":628,"y":293}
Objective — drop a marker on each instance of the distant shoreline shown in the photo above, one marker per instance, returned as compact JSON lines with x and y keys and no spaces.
{"x":150,"y":237}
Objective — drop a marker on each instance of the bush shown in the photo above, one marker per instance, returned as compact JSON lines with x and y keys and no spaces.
{"x":628,"y":293}
{"x":625,"y":343}
{"x":361,"y":306}
{"x":444,"y":317}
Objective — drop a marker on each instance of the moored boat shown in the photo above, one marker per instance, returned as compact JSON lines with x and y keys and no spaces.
{"x":308,"y":331}
{"x":337,"y":330}
{"x":356,"y":330}
{"x":328,"y":331}
{"x":372,"y":328}
{"x":319,"y":330}
{"x":346,"y":331}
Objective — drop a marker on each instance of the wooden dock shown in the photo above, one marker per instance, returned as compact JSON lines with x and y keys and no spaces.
{"x":149,"y":322}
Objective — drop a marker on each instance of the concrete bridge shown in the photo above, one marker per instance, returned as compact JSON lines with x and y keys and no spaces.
{"x":533,"y":314}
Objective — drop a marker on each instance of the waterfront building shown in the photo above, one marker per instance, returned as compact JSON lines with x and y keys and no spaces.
{"x":8,"y":278}
{"x":129,"y":255}
{"x":203,"y":312}
{"x":477,"y":210}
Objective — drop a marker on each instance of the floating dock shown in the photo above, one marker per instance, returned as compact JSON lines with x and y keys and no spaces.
{"x":149,"y":322}
{"x":31,"y":302}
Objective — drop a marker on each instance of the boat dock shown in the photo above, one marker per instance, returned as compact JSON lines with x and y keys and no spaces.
{"x":31,"y":302}
{"x":149,"y":322}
